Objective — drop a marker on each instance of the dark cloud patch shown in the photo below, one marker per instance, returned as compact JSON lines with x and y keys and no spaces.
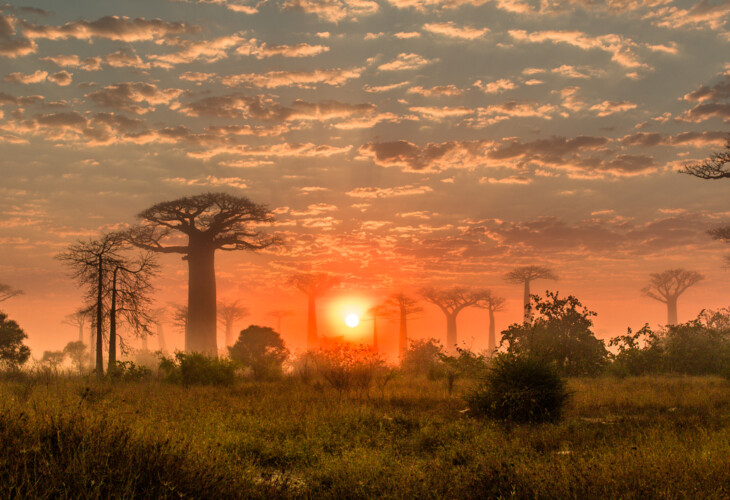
{"x":112,"y":28}
{"x":134,"y":97}
{"x":551,"y":150}
{"x":652,"y":139}
{"x":11,"y":45}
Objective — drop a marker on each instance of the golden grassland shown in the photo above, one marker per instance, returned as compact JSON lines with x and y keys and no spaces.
{"x":73,"y":437}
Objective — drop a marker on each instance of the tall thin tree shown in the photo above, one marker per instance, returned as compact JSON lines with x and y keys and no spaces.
{"x":667,"y":286}
{"x":313,"y":285}
{"x":228,"y":313}
{"x":279,"y":314}
{"x":451,"y":302}
{"x":526,"y":275}
{"x":403,"y":307}
{"x":492,"y":303}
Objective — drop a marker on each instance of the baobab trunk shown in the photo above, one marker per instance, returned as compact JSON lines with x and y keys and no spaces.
{"x":375,"y":334}
{"x":451,"y":333}
{"x":672,"y":311}
{"x":403,"y":334}
{"x":161,"y":338}
{"x":526,"y":301}
{"x":229,"y":334}
{"x":200,"y":333}
{"x":81,"y":332}
{"x":492,"y":345}
{"x":312,"y":337}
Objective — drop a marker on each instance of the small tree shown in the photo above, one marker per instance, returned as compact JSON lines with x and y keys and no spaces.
{"x":77,"y":352}
{"x":422,"y":357}
{"x":13,"y":353}
{"x":8,"y":292}
{"x":52,"y":359}
{"x":493,"y":304}
{"x":526,"y":275}
{"x":228,"y":314}
{"x":667,"y":286}
{"x":560,"y":333}
{"x":261,"y":349}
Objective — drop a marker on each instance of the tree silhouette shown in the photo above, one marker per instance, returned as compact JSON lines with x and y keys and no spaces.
{"x":13,"y":352}
{"x":404,"y":307}
{"x":451,"y":302}
{"x":53,"y":359}
{"x":523,"y":276}
{"x":491,"y":303}
{"x":8,"y":292}
{"x":77,"y":352}
{"x":714,"y":167}
{"x":158,"y":316}
{"x":279,"y":314}
{"x":261,"y":349}
{"x":90,"y":262}
{"x":78,"y":319}
{"x":375,"y":312}
{"x":667,"y":286}
{"x":180,"y":317}
{"x":209,"y":222}
{"x":313,"y":285}
{"x":228,"y":314}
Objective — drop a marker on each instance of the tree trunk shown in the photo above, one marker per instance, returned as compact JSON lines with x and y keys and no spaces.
{"x":229,"y":334}
{"x":672,"y":310}
{"x":451,"y":333}
{"x":403,"y":334}
{"x":113,"y":323}
{"x":92,"y":350}
{"x":200,"y":333}
{"x":375,"y":334}
{"x":492,"y":345}
{"x":161,"y":338}
{"x":526,"y":302}
{"x":99,"y":321}
{"x":81,"y":332}
{"x":312,"y":337}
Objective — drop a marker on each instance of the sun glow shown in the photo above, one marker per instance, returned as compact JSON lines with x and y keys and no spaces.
{"x":352,"y":320}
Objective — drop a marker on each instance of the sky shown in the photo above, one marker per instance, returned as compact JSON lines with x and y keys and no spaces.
{"x":400,"y":144}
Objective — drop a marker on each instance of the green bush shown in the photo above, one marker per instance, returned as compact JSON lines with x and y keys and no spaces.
{"x":520,"y":389}
{"x":128,"y":371}
{"x":198,"y":369}
{"x":262,"y":350}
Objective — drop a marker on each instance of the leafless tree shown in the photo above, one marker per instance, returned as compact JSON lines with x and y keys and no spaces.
{"x":8,"y":292}
{"x":403,"y":307}
{"x":313,"y":285}
{"x":180,"y":317}
{"x":209,"y":222}
{"x":451,"y":302}
{"x":228,"y":314}
{"x":713,"y":168}
{"x":524,"y":276}
{"x":667,"y":286}
{"x":493,"y":304}
{"x":279,"y":314}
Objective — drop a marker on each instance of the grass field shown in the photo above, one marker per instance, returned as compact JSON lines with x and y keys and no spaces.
{"x":648,"y":437}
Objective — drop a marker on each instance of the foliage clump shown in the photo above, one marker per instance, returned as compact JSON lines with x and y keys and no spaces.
{"x":261,"y":349}
{"x":347,"y":367}
{"x":128,"y":371}
{"x":520,"y":389}
{"x":198,"y":369}
{"x":560,"y":333}
{"x":13,"y":353}
{"x":423,"y":357}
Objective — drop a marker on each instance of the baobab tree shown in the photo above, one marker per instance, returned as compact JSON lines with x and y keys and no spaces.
{"x":667,"y":286}
{"x":451,"y":302}
{"x":158,"y":317}
{"x":491,"y":303}
{"x":279,"y":314}
{"x":8,"y":292}
{"x":209,"y":222}
{"x":376,"y":311}
{"x":78,"y":319}
{"x":403,"y":307}
{"x":228,"y":314}
{"x":716,"y":166}
{"x":524,"y":276}
{"x":313,"y":285}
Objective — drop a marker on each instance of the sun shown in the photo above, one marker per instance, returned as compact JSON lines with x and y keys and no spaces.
{"x":352,"y":320}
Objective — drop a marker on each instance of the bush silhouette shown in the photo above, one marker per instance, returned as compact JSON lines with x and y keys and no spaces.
{"x":195,"y":368}
{"x":520,"y":389}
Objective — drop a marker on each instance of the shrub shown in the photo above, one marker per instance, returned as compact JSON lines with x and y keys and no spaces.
{"x":197,"y":369}
{"x":423,"y":357}
{"x":13,"y":353}
{"x":520,"y":389}
{"x":261,"y":349}
{"x":345,"y":366}
{"x":128,"y":371}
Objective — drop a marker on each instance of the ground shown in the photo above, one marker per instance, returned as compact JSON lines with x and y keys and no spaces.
{"x":646,"y":437}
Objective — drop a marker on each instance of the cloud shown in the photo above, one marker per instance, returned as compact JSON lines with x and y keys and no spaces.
{"x":718,"y":91}
{"x":407,"y":35}
{"x":117,"y":28}
{"x":61,"y":78}
{"x":35,"y":77}
{"x":620,"y":48}
{"x":405,"y":61}
{"x":300,"y":79}
{"x":510,"y":109}
{"x":384,"y":88}
{"x":437,"y":91}
{"x":431,"y":157}
{"x":376,"y":192}
{"x":569,"y":71}
{"x":693,"y":139}
{"x":207,"y":51}
{"x":125,"y":58}
{"x":130,"y":95}
{"x":450,"y":30}
{"x":495,"y":87}
{"x":334,"y":10}
{"x":297,"y":50}
{"x":440,"y":113}
{"x":10,"y":45}
{"x":607,"y":108}
{"x":73,"y":61}
{"x":701,"y":15}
